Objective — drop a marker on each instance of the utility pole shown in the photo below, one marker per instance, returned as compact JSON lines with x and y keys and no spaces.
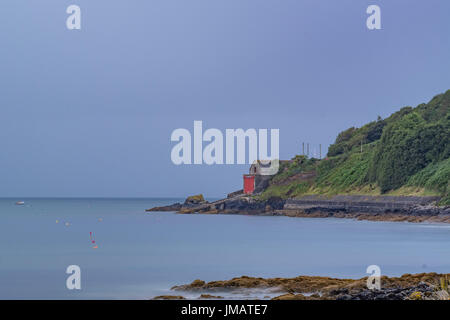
{"x":307,"y":149}
{"x":303,"y":148}
{"x":320,"y":151}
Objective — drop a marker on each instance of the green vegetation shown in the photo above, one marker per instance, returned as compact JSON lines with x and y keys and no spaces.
{"x":406,"y":153}
{"x":292,"y":178}
{"x":434,"y":177}
{"x":345,"y":173}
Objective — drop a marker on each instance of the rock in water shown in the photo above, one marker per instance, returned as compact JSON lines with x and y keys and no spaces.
{"x":195,"y":200}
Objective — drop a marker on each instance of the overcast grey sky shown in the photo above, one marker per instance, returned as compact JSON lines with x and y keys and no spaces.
{"x":89,"y":112}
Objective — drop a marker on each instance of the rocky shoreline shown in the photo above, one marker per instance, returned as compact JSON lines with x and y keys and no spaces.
{"x":423,"y":286}
{"x":361,"y":207}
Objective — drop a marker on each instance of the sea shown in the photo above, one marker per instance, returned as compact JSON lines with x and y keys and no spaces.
{"x":124,"y":252}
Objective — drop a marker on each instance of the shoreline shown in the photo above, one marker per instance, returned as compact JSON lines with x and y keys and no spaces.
{"x":360,"y":207}
{"x":421,"y":286}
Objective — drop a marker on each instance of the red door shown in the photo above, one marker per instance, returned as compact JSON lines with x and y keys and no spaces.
{"x":249,"y":184}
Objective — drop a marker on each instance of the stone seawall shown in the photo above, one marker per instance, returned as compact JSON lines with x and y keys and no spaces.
{"x":367,"y":204}
{"x":375,"y":208}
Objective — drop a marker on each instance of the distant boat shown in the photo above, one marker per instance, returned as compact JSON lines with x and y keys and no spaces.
{"x":20,"y":203}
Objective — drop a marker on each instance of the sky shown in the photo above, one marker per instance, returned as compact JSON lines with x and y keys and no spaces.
{"x":90,"y":112}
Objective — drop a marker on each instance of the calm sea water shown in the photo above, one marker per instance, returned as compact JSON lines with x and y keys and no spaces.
{"x":141,"y":255}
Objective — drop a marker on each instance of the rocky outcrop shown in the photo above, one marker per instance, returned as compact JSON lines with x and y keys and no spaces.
{"x":193,"y":201}
{"x":241,"y":204}
{"x":235,"y":193}
{"x":173,"y":207}
{"x":190,"y":203}
{"x":423,"y":286}
{"x":420,"y":291}
{"x":167,"y":297}
{"x":208,"y":296}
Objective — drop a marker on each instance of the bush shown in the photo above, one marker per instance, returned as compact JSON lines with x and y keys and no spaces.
{"x":435,"y":177}
{"x":407,"y":146}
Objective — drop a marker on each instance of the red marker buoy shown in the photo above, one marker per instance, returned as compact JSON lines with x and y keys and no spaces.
{"x":92,"y":240}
